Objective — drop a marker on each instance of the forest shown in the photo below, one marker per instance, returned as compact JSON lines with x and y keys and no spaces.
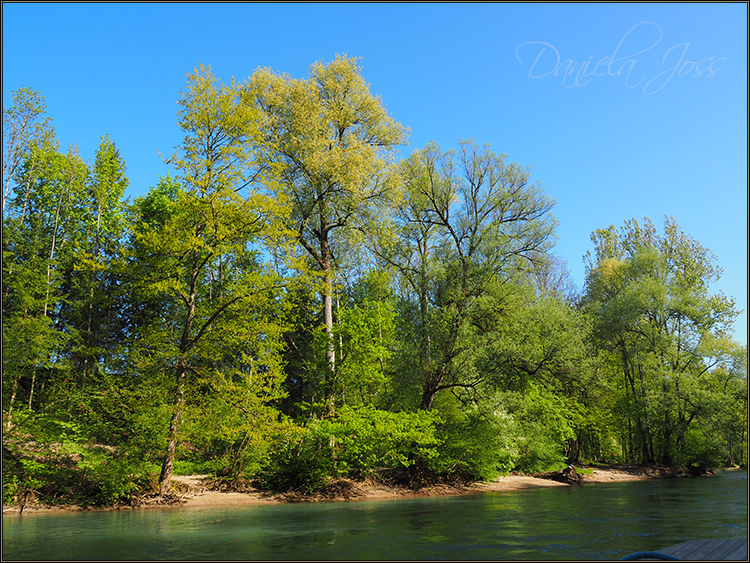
{"x":299,"y":304}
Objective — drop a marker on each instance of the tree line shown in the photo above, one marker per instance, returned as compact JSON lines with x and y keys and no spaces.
{"x":299,"y":304}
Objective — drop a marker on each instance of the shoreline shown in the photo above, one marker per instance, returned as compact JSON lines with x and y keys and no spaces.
{"x":195,"y":492}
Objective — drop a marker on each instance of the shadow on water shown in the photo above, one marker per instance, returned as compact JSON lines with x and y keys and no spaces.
{"x":594,"y":521}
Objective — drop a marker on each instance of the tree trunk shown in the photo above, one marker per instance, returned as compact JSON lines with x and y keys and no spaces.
{"x":31,"y":392}
{"x":179,"y":400}
{"x":174,"y":425}
{"x":328,"y":321}
{"x":666,"y":457}
{"x":9,"y":422}
{"x":52,"y":251}
{"x":427,"y":397}
{"x":431,"y":388}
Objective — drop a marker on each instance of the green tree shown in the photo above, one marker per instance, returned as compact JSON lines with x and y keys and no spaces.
{"x":94,"y":296}
{"x":327,"y":141}
{"x":531,"y":362}
{"x":469,"y":225}
{"x":654,"y":314}
{"x":41,"y":230}
{"x":24,"y":126}
{"x":201,"y":254}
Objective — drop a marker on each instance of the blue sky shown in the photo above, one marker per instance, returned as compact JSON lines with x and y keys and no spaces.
{"x":655,"y":124}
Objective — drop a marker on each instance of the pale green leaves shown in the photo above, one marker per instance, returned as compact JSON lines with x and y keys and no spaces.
{"x":220,"y":131}
{"x":24,"y":126}
{"x":326,"y":140}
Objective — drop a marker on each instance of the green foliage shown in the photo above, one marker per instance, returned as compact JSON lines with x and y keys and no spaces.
{"x":367,"y":438}
{"x":538,"y":452}
{"x":404,"y":315}
{"x":194,"y":467}
{"x":543,"y":428}
{"x":328,"y":149}
{"x":195,"y":256}
{"x":11,"y":485}
{"x":477,"y":446}
{"x":61,"y":468}
{"x":353,"y":443}
{"x":470,"y":221}
{"x":701,"y":451}
{"x":231,"y":432}
{"x":155,"y":209}
{"x":302,"y":460}
{"x":365,"y":332}
{"x":653,"y":314}
{"x":107,"y":478}
{"x":24,"y":126}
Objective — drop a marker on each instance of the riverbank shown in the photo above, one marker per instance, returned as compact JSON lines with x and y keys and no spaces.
{"x":373,"y":489}
{"x":197,"y":490}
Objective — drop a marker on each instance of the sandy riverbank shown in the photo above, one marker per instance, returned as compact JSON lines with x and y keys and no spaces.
{"x":373,"y":490}
{"x":194,"y":490}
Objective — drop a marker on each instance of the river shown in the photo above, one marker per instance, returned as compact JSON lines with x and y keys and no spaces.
{"x":592,"y":521}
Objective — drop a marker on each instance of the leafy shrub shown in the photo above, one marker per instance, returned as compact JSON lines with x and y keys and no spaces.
{"x":355,"y":443}
{"x":701,"y":452}
{"x":107,"y":479}
{"x":22,"y":479}
{"x":368,"y":438}
{"x":538,"y":451}
{"x":11,"y":487}
{"x":194,"y":467}
{"x":11,"y":470}
{"x":477,"y":446}
{"x":302,"y":461}
{"x":543,"y":428}
{"x":68,"y":472}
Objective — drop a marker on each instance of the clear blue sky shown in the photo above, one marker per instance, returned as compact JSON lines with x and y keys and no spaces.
{"x":658,"y":128}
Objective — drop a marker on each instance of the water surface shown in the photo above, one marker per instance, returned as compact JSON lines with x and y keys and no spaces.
{"x":592,"y":521}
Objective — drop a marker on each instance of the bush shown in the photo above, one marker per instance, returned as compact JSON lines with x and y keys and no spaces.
{"x":368,"y":438}
{"x":48,"y":458}
{"x":477,"y":446}
{"x":543,"y":428}
{"x":353,"y":443}
{"x":73,"y":474}
{"x":701,"y":452}
{"x":11,"y":488}
{"x":194,"y":467}
{"x":538,"y":450}
{"x":302,"y":461}
{"x":12,"y":469}
{"x":107,"y":480}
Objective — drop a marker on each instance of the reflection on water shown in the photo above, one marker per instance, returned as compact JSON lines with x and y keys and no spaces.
{"x":595,"y":521}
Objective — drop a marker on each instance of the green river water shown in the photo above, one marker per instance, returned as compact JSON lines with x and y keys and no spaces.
{"x":595,"y":521}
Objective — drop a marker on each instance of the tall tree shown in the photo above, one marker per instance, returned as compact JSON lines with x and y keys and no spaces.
{"x":41,"y":231}
{"x":24,"y":125}
{"x":327,"y":140}
{"x":93,"y":286}
{"x":201,"y":253}
{"x":654,"y":313}
{"x":470,"y":223}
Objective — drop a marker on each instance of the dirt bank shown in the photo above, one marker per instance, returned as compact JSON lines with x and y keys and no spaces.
{"x":194,"y":491}
{"x":346,"y":489}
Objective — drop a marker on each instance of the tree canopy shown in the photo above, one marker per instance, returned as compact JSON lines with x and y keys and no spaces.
{"x":297,"y":304}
